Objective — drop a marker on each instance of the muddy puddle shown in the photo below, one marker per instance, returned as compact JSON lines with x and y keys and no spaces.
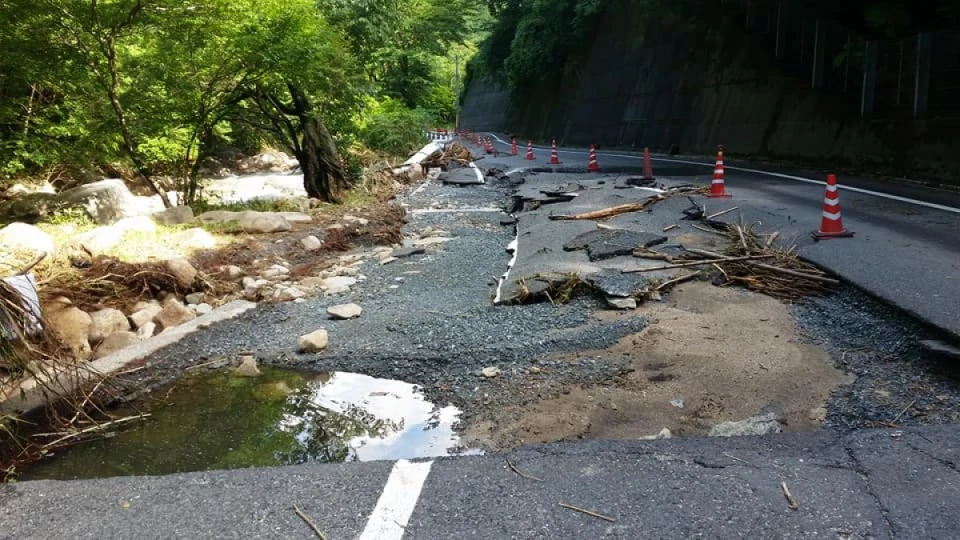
{"x":219,"y":420}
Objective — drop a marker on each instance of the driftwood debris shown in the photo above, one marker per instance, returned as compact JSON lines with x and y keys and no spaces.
{"x":611,"y":211}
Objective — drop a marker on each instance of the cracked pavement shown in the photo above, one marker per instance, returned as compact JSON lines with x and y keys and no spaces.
{"x":868,"y":484}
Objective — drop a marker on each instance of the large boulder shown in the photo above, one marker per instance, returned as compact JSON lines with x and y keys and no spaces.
{"x":248,"y":221}
{"x":106,"y":201}
{"x":71,"y":324}
{"x":24,"y":237}
{"x":29,"y":207}
{"x":174,"y":216}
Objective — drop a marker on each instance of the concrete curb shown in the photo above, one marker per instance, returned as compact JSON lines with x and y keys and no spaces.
{"x":32,"y":393}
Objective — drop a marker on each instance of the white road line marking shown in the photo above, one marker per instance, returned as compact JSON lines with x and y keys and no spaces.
{"x":421,"y":188}
{"x":780,"y":175}
{"x":514,"y":246}
{"x":396,"y":503}
{"x":477,"y":170}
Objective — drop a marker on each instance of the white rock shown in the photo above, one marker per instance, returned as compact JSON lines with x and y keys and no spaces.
{"x":71,"y":324}
{"x":274,"y":272}
{"x":147,"y":330}
{"x":663,"y":434}
{"x":335,"y":227}
{"x":106,"y":201}
{"x":247,"y":368}
{"x":182,"y":271}
{"x":388,"y":260}
{"x":145,"y":315}
{"x":338,"y":282}
{"x":286,"y":294}
{"x":24,"y":237}
{"x":295,"y":217}
{"x":144,"y":304}
{"x":140,"y":224}
{"x":173,"y":314}
{"x":232,"y":271}
{"x":115,"y":342}
{"x":195,"y":298}
{"x":313,"y":342}
{"x":106,"y":322}
{"x":311,"y":243}
{"x":622,"y":303}
{"x":490,"y":372}
{"x":344,"y":311}
{"x":248,"y":283}
{"x":194,"y":239}
{"x":173,"y":216}
{"x":203,"y":309}
{"x":249,"y":221}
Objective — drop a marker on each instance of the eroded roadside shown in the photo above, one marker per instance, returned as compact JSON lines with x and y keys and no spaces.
{"x":700,"y":360}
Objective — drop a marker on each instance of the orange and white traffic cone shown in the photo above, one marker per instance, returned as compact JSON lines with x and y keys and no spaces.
{"x":530,"y":151}
{"x":831,"y":224}
{"x":554,"y":159}
{"x":488,"y":145}
{"x":717,"y":189}
{"x":592,"y":165}
{"x":513,"y":147}
{"x":647,"y":165}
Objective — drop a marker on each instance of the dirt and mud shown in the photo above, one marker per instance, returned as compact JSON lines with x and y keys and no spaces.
{"x":710,"y":355}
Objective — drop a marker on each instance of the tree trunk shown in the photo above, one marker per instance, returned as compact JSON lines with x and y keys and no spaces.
{"x":323,"y":176}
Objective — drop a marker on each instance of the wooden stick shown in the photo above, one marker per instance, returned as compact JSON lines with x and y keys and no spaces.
{"x":652,"y":255}
{"x":306,"y":519}
{"x":695,"y":263}
{"x":772,"y":238}
{"x":704,"y":229}
{"x":521,"y":474}
{"x":670,"y":227}
{"x":711,"y":216}
{"x":97,"y":427}
{"x":610,"y":212}
{"x":905,"y":409}
{"x":743,"y":240}
{"x":796,"y":273}
{"x":674,"y":281}
{"x":791,"y":502}
{"x":588,"y":512}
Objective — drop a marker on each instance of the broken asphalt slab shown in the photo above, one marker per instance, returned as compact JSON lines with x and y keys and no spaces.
{"x":604,"y":244}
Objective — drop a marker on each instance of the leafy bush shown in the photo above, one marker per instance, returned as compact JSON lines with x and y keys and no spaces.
{"x":391,"y":127}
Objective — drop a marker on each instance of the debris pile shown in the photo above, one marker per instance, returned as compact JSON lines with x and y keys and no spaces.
{"x":751,"y":260}
{"x":454,"y":156}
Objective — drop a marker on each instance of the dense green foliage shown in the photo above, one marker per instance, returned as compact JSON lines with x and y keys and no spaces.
{"x":156,"y":86}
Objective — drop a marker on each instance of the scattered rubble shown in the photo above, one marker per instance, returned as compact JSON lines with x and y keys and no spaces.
{"x":313,"y":342}
{"x":344,"y":311}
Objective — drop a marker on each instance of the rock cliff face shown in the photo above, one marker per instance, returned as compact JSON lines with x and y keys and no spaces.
{"x":668,"y":83}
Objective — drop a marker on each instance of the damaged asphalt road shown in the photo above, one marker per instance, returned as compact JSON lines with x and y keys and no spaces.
{"x":702,"y":356}
{"x":869,"y":484}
